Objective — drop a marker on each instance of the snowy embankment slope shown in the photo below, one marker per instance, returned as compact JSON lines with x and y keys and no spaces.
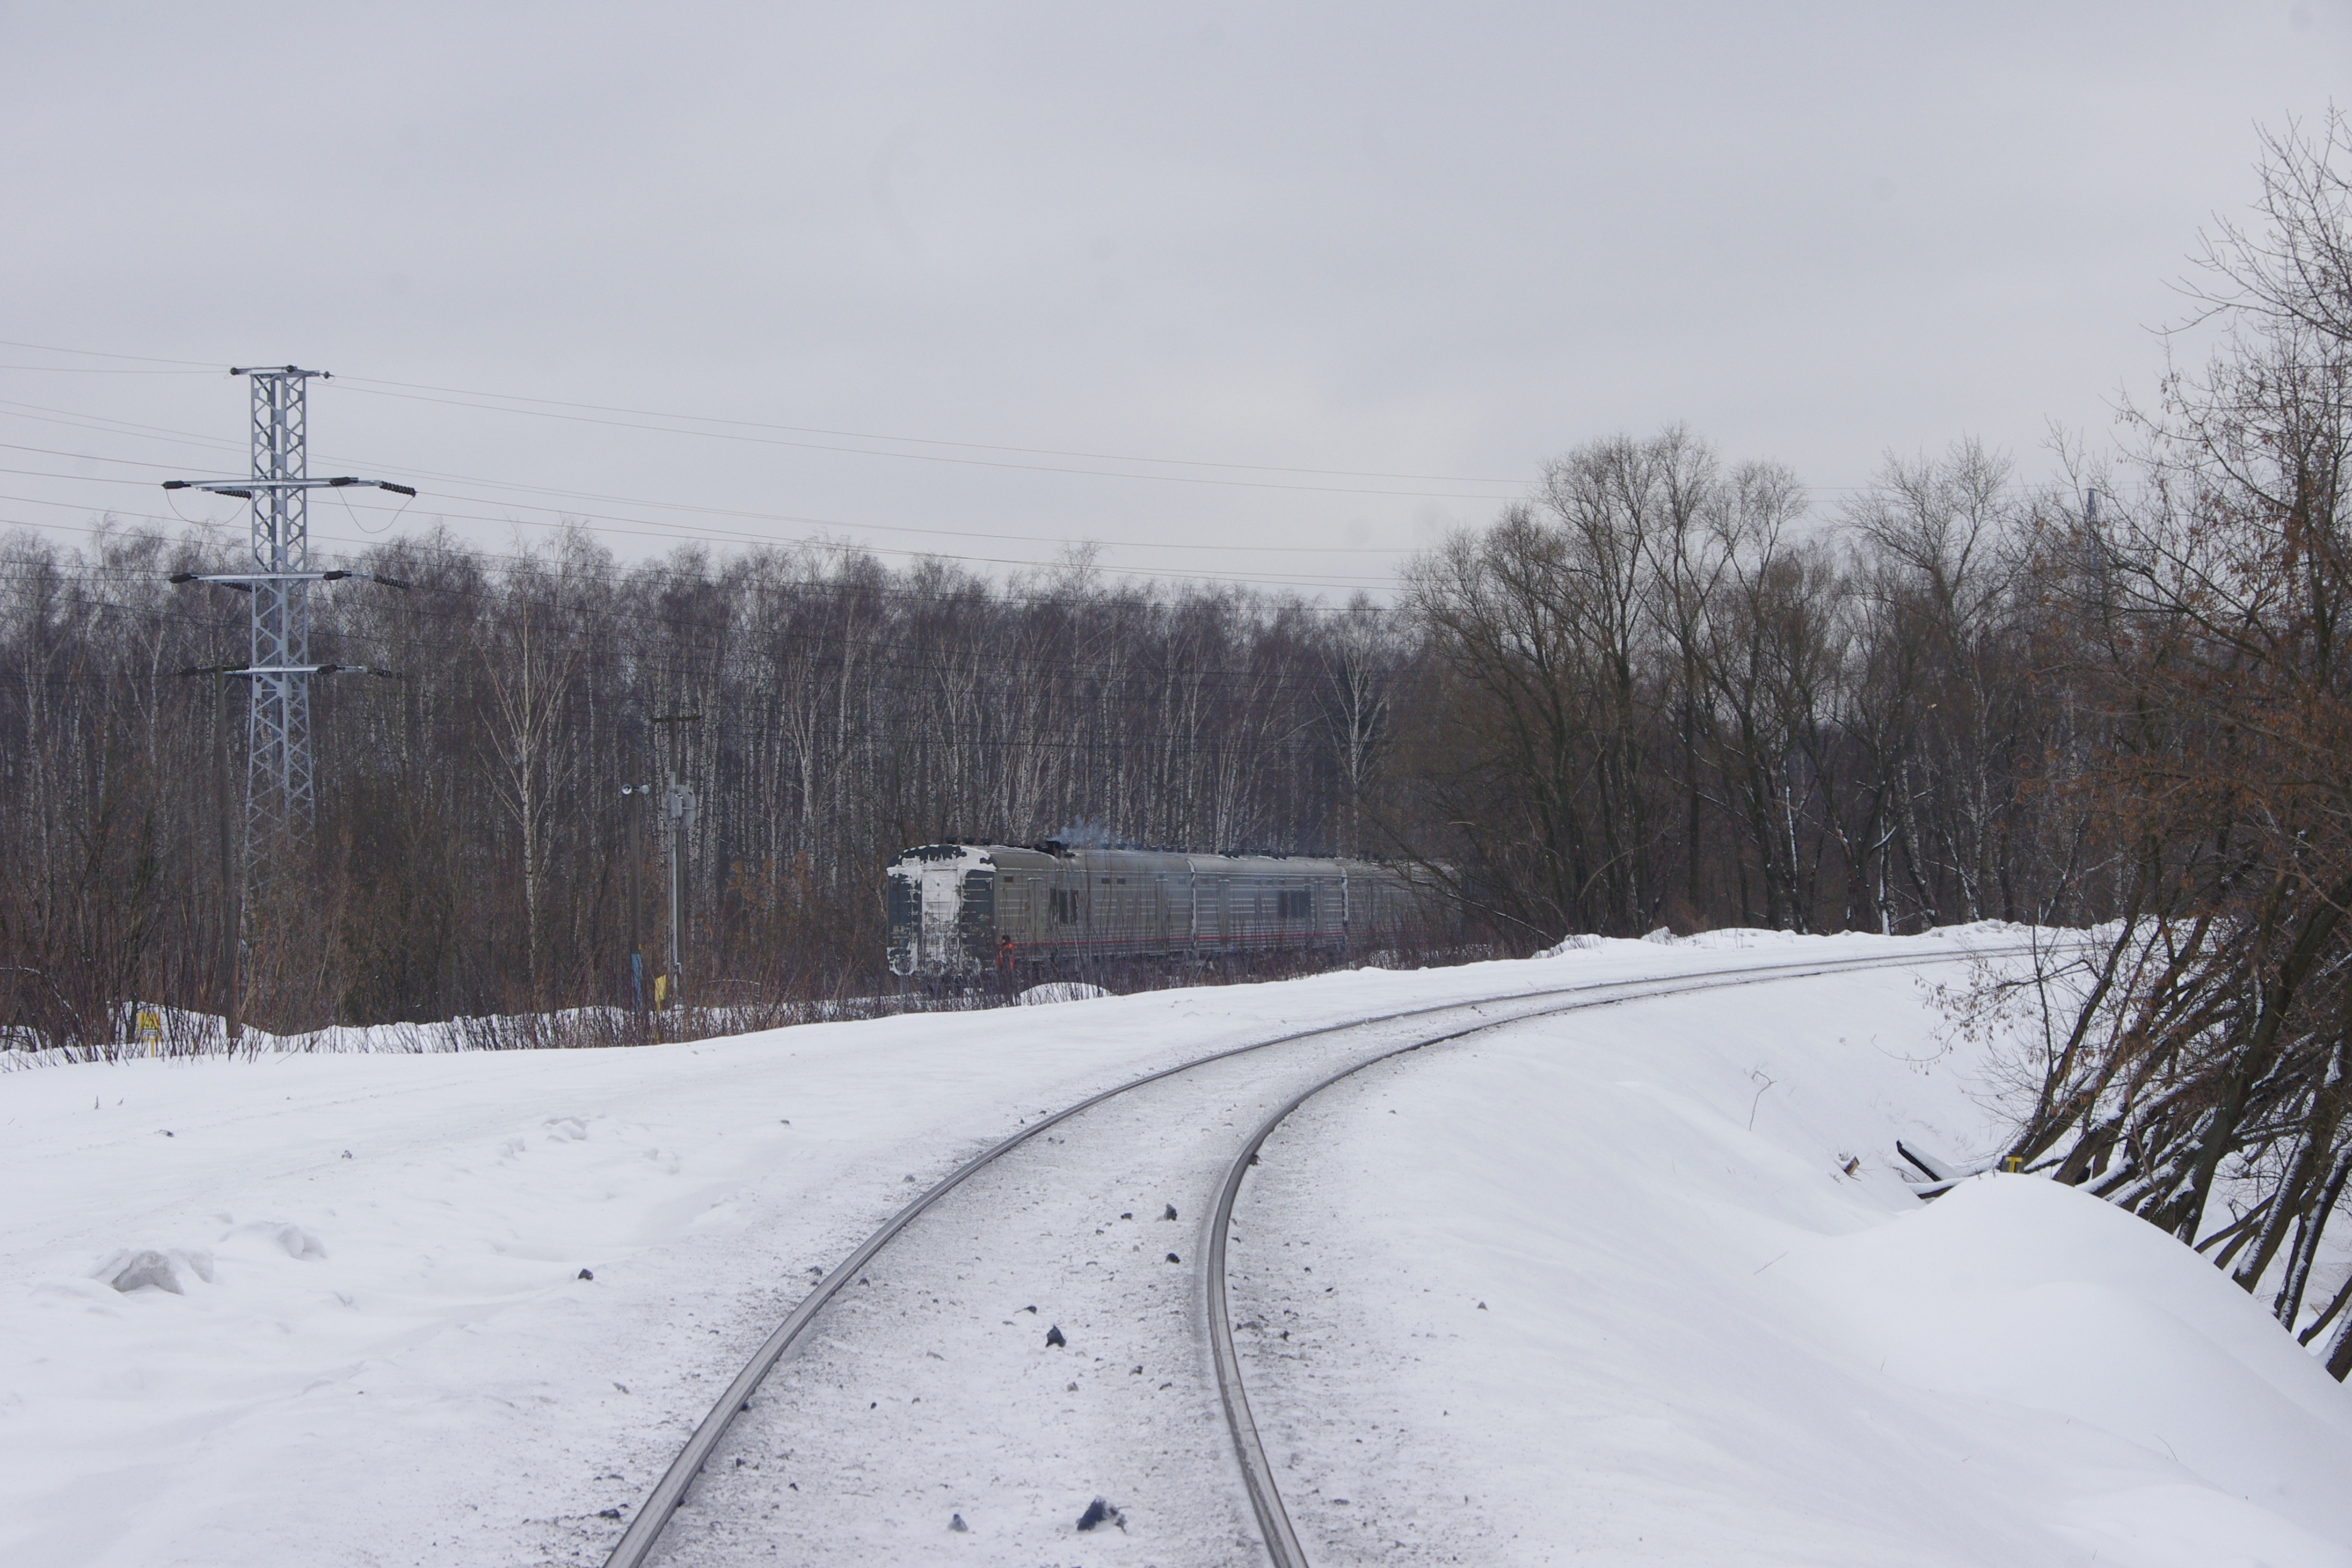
{"x":1599,"y":1287}
{"x":394,"y":1359}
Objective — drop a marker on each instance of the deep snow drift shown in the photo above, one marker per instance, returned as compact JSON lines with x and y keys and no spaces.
{"x":1700,"y":1337}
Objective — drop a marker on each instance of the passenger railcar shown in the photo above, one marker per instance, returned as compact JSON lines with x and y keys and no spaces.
{"x":951,"y":906}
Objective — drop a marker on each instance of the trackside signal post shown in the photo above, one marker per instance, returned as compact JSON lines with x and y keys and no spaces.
{"x":636,"y":794}
{"x":280,"y":799}
{"x":678,"y":817}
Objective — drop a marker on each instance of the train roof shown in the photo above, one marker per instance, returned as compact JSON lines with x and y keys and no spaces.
{"x":1054,"y":854}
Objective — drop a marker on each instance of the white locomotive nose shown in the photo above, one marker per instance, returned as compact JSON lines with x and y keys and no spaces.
{"x":942,"y":902}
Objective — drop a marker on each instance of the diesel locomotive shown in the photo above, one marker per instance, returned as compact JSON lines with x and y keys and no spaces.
{"x":952,"y":907}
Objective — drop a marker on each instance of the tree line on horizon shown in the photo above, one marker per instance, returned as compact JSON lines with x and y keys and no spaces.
{"x":1754,"y":735}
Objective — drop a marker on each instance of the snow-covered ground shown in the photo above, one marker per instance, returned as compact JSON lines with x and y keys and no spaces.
{"x":1597,"y":1288}
{"x":1700,"y":1337}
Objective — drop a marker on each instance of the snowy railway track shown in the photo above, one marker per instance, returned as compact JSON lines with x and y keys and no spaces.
{"x":1332,"y":1053}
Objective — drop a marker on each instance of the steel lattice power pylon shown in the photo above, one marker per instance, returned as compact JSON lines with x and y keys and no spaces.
{"x":280,"y":801}
{"x":278,"y":796}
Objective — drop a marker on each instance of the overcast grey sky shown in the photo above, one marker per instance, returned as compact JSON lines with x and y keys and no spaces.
{"x":1288,"y":249}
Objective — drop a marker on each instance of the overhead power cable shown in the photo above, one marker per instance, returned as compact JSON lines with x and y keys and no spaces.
{"x":98,"y":370}
{"x":217,"y":366}
{"x":648,"y":528}
{"x":934,"y":441}
{"x":1338,"y":583}
{"x":568,"y":514}
{"x":1214,"y":579}
{"x":931,"y":457}
{"x":681,"y":424}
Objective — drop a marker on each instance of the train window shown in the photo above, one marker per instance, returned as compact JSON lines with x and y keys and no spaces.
{"x":1298,"y":906}
{"x":1066,"y":906}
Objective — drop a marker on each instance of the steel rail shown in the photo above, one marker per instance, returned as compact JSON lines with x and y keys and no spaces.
{"x":1281,"y":1540}
{"x":669,"y":1494}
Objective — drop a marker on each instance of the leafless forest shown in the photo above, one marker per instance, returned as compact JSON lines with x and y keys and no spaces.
{"x":1650,"y":697}
{"x":1666,"y":688}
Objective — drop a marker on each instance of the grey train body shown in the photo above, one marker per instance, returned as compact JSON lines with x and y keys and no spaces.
{"x":951,"y":905}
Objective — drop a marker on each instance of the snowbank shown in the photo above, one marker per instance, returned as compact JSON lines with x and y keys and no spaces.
{"x":188,"y":1034}
{"x":1750,"y":939}
{"x":1060,"y":991}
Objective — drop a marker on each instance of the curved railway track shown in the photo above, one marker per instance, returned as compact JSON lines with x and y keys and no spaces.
{"x":1393,"y":1034}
